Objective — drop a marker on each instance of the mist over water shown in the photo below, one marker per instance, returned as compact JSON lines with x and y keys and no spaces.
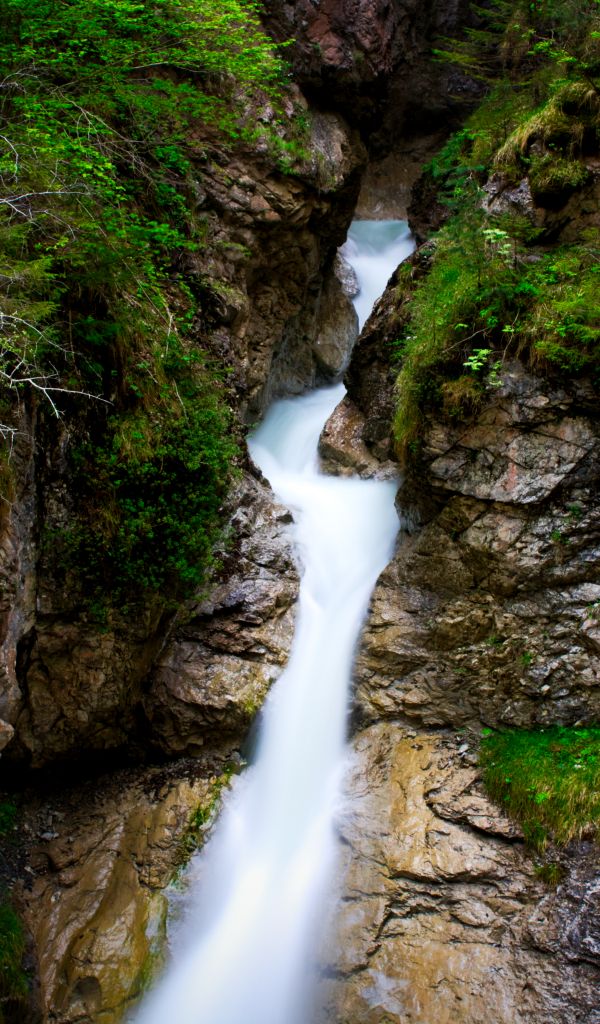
{"x":256,"y":906}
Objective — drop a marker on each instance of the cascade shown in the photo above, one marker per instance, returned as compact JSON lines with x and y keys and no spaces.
{"x":256,"y":904}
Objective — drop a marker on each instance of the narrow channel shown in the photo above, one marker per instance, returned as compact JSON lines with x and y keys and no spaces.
{"x":262,"y":880}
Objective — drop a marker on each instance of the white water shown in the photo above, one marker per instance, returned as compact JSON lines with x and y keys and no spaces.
{"x":375,"y":248}
{"x":258,"y":908}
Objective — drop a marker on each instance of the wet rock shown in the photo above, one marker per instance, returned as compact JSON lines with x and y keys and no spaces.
{"x":372,"y":372}
{"x":436,"y":914}
{"x":486,"y":613}
{"x":346,"y":276}
{"x":216,"y":670}
{"x":337,"y":331}
{"x":342,"y":449}
{"x":68,"y":684}
{"x":94,"y":904}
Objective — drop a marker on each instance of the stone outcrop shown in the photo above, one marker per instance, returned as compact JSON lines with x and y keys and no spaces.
{"x":67,"y":686}
{"x":275,"y":239}
{"x":98,"y":857}
{"x":217,"y":667}
{"x":488,"y":612}
{"x":442,"y":916}
{"x":488,"y":615}
{"x":372,"y":61}
{"x":564,"y":219}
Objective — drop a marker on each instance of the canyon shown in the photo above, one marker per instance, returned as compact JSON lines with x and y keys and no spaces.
{"x":120,"y":741}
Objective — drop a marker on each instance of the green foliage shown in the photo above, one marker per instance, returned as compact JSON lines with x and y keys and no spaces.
{"x":549,"y":780}
{"x":151,"y":488}
{"x":550,"y":872}
{"x":14,"y":988}
{"x":100,"y":101}
{"x":490,"y":289}
{"x":109,"y":109}
{"x":459,"y":306}
{"x":8,"y":817}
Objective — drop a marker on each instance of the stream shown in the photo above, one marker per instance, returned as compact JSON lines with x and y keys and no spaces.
{"x":257,"y":905}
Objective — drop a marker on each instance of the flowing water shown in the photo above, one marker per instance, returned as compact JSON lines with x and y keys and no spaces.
{"x":257,"y":908}
{"x":375,"y":248}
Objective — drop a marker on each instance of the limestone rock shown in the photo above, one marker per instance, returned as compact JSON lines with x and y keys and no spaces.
{"x":437,"y":915}
{"x":338,"y":330}
{"x":346,"y":275}
{"x":487,"y":612}
{"x":342,"y":449}
{"x":93,"y":902}
{"x":370,"y":59}
{"x":69,"y":686}
{"x":216,"y":670}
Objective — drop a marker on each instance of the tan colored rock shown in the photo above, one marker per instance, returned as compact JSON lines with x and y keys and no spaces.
{"x":95,"y":906}
{"x":487,"y":611}
{"x":436,"y":919}
{"x":342,"y":449}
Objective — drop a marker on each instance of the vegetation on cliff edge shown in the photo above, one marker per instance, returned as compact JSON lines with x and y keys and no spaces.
{"x":549,"y":780}
{"x":110,"y":110}
{"x":500,"y":284}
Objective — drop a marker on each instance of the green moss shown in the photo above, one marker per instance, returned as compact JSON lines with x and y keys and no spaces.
{"x":492,"y":286}
{"x":488,"y":294}
{"x":14,"y":986}
{"x":151,"y":487}
{"x":8,"y":817}
{"x":549,"y":780}
{"x":202,"y":817}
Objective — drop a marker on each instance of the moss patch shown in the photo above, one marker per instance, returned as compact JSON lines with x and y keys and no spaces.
{"x":549,"y":780}
{"x":14,"y":987}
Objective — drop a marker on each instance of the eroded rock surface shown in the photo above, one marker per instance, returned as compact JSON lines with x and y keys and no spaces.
{"x":371,"y":59}
{"x":99,"y":857}
{"x":489,"y":611}
{"x":71,"y":685}
{"x":442,"y":916}
{"x":217,"y":668}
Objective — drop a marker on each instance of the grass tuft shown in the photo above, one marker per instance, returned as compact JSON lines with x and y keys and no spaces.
{"x":549,"y":780}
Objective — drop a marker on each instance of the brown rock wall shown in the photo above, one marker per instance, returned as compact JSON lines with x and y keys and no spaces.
{"x":442,"y":917}
{"x":488,"y":611}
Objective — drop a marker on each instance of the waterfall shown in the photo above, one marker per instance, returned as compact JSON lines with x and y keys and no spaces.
{"x":257,"y":901}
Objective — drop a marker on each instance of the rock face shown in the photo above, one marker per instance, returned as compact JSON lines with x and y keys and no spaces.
{"x":99,"y":857}
{"x":217,"y":668}
{"x":442,"y":918}
{"x":488,"y":613}
{"x":372,"y":60}
{"x":275,"y":242}
{"x":68,"y":687}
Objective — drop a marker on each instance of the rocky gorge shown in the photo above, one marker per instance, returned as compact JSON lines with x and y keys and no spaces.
{"x":486,"y":616}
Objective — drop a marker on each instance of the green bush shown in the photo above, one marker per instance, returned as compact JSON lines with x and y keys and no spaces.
{"x":494,"y":285}
{"x":110,"y":110}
